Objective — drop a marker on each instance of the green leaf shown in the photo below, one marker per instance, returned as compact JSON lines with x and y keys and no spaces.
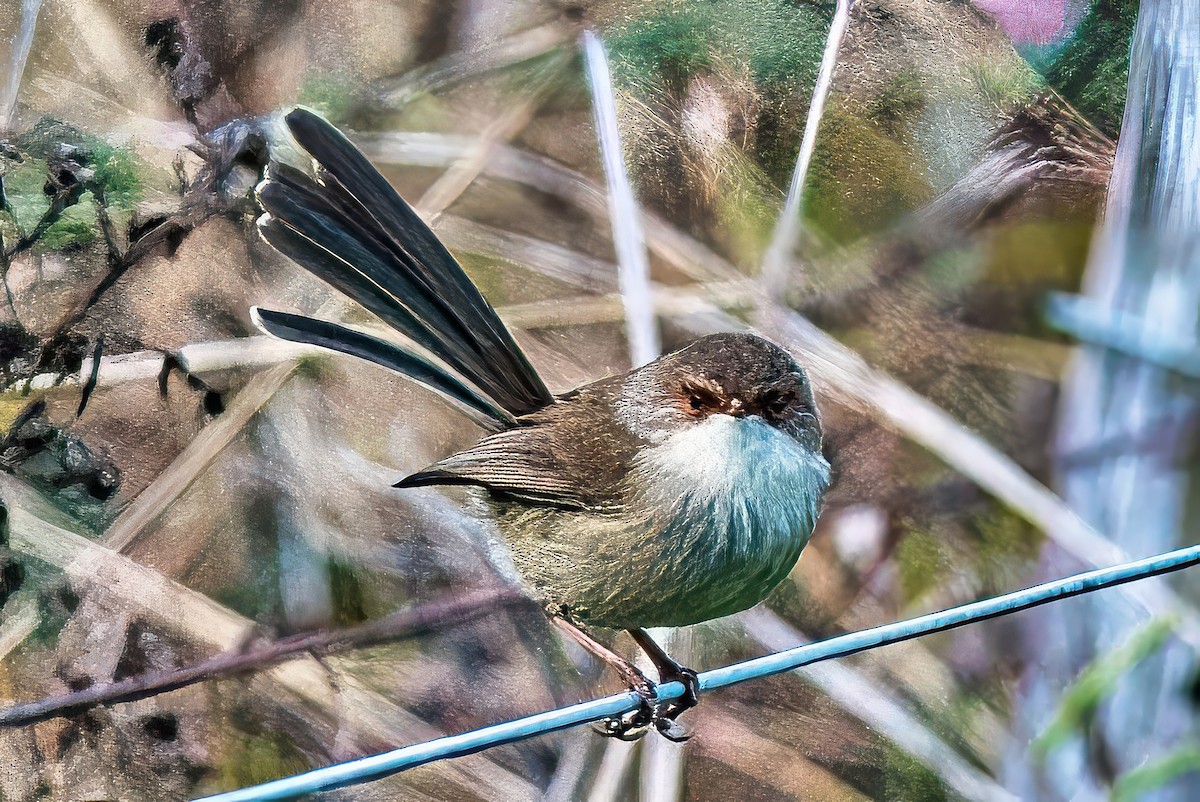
{"x":1097,"y":682}
{"x":1153,"y":775}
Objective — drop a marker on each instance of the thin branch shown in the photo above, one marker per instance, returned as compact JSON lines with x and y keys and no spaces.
{"x":451,"y":184}
{"x":1094,"y":323}
{"x":529,"y":253}
{"x":360,"y":717}
{"x":466,"y":65}
{"x":21,"y":618}
{"x":377,"y":767}
{"x":675,"y":248}
{"x":407,"y":623}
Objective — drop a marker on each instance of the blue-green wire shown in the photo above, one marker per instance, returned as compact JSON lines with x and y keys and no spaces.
{"x":376,"y":767}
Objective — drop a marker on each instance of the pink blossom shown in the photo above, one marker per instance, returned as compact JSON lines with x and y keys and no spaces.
{"x":1036,"y":22}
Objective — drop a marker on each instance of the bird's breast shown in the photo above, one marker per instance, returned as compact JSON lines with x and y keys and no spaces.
{"x":728,"y":505}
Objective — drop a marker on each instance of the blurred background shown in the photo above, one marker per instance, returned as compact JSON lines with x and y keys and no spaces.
{"x":993,"y":284}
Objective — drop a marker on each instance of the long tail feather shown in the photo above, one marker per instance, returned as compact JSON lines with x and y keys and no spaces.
{"x":310,"y":331}
{"x":350,"y":228}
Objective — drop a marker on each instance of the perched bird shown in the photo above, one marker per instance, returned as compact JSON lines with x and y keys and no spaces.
{"x":679,"y":492}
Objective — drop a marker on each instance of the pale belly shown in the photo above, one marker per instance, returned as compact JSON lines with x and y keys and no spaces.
{"x":714,"y":521}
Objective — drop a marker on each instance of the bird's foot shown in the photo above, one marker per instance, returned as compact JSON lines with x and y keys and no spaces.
{"x":669,"y":670}
{"x":666,"y":713}
{"x":653,"y":712}
{"x":632,"y":725}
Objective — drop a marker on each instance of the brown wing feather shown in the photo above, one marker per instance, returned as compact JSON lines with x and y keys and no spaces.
{"x":573,"y":453}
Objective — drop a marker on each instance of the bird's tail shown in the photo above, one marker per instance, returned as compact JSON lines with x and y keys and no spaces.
{"x":350,"y":228}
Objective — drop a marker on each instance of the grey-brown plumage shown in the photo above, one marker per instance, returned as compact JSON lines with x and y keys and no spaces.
{"x":581,"y":486}
{"x":679,"y":492}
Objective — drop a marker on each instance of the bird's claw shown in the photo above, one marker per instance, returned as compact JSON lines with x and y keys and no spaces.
{"x":652,"y":712}
{"x":687,"y":700}
{"x":672,"y":730}
{"x":630,"y":726}
{"x":635,"y":723}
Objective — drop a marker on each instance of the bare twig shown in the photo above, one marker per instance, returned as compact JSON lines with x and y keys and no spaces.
{"x":20,"y":620}
{"x":451,"y":184}
{"x":407,"y":623}
{"x":362,"y":718}
{"x":625,"y":219}
{"x":465,"y":65}
{"x":1092,"y":322}
{"x":680,"y":251}
{"x":548,"y":258}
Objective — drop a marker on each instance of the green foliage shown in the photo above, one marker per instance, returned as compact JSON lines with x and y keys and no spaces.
{"x":1038,"y":255}
{"x":76,"y":228}
{"x":783,"y":41}
{"x":1005,"y":83}
{"x":669,"y":46}
{"x":861,"y":178}
{"x":1097,"y":682}
{"x":923,"y":561}
{"x":901,"y":96}
{"x":121,"y":174}
{"x":1093,"y":68}
{"x":333,"y":94}
{"x":1002,"y":540}
{"x":907,"y":779}
{"x":312,"y":366}
{"x":777,"y":41}
{"x":116,"y":171}
{"x":346,"y":590}
{"x":24,"y":184}
{"x":747,"y":209}
{"x":258,"y":756}
{"x":1154,"y":775}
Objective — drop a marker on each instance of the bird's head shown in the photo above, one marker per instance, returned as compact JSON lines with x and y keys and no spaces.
{"x":739,"y":375}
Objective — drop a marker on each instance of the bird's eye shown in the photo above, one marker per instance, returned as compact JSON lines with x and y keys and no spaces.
{"x":700,"y":399}
{"x":776,"y":403}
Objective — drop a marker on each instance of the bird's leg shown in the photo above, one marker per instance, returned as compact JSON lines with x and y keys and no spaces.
{"x":636,"y":723}
{"x":669,"y":671}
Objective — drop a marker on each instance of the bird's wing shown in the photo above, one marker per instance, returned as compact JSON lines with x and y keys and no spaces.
{"x":575,"y":453}
{"x":519,"y":462}
{"x":351,"y":229}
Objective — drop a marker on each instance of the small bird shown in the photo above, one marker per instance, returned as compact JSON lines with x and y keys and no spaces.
{"x":679,"y":492}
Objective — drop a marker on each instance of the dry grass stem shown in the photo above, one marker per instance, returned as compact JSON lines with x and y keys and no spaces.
{"x":356,"y":716}
{"x":195,"y":459}
{"x":878,"y":710}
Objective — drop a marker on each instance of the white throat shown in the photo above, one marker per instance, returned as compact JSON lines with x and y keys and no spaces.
{"x":739,"y":477}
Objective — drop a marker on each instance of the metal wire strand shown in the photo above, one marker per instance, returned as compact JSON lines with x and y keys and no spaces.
{"x":376,"y":767}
